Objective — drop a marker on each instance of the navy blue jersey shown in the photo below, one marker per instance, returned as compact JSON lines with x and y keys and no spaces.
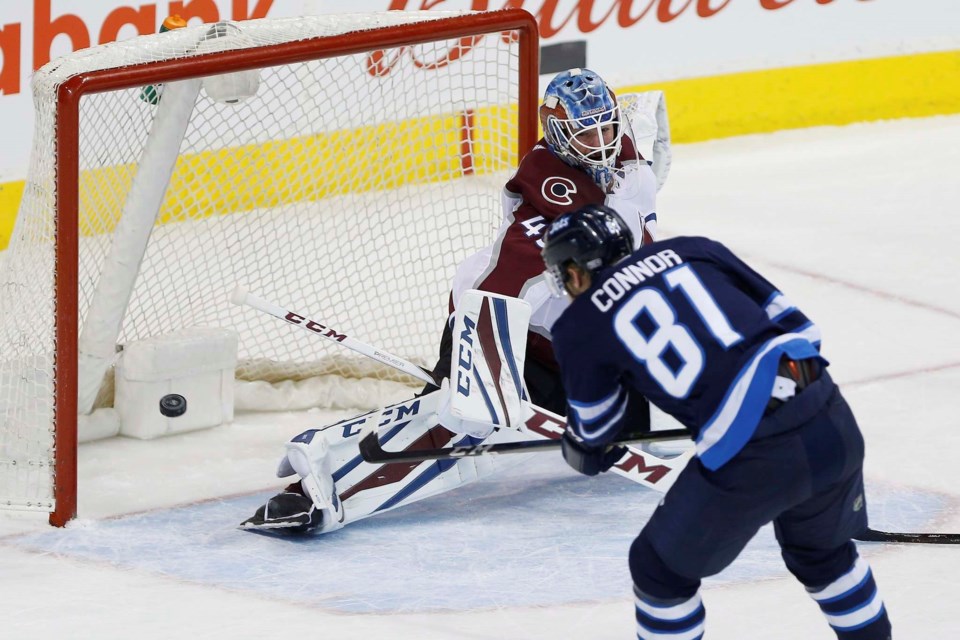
{"x":690,"y":326}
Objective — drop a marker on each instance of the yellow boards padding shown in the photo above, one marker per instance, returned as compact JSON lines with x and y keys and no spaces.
{"x":814,"y":95}
{"x":382,"y":156}
{"x":430,"y":149}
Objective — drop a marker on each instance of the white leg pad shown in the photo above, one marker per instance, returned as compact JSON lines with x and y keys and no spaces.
{"x":315,"y":455}
{"x":486,"y":389}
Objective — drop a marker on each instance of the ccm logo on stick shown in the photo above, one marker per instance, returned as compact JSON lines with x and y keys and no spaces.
{"x":316,"y":327}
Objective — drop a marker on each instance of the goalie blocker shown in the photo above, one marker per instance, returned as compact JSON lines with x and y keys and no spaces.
{"x":485,"y":390}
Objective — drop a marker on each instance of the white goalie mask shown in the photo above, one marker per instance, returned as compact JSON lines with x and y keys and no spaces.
{"x":582,"y":123}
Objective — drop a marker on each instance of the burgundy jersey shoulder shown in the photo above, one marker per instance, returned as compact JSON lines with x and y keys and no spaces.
{"x":628,"y":152}
{"x":551,"y":186}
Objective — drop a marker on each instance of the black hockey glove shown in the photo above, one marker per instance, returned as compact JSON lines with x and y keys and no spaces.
{"x":586,"y":460}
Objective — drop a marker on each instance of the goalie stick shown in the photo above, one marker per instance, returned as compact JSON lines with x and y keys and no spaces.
{"x":635,"y":466}
{"x":371,"y":450}
{"x":241,"y":296}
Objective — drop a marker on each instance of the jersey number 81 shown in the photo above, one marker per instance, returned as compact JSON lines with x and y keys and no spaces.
{"x":669,"y":334}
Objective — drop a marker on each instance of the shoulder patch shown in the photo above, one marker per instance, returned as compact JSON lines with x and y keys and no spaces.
{"x":558,"y":190}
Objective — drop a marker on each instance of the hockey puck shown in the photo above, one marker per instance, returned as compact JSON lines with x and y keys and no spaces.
{"x":173,"y":405}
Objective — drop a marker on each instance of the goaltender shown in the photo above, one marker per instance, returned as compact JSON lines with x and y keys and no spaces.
{"x":588,"y":155}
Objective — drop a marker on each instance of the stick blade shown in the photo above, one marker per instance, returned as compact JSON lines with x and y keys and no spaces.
{"x":872,"y":535}
{"x":370,"y":448}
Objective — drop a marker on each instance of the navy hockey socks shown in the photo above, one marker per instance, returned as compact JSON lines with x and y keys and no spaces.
{"x":679,"y":619}
{"x":852,"y":605}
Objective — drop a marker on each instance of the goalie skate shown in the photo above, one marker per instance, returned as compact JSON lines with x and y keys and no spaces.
{"x":308,"y":505}
{"x":287,"y":512}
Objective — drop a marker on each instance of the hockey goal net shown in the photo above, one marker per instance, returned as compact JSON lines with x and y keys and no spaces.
{"x":365,"y":166}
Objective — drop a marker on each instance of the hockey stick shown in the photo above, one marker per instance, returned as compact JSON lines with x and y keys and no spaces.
{"x":241,"y":296}
{"x":872,"y":535}
{"x":371,"y":450}
{"x":641,"y":467}
{"x":644,"y":468}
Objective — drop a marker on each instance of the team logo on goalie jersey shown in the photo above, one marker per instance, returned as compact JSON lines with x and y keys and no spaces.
{"x":558,"y":190}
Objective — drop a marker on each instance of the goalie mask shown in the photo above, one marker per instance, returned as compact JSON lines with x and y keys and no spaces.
{"x":582,"y":123}
{"x":592,"y":237}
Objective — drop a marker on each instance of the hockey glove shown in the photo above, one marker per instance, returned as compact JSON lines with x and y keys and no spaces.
{"x":587,"y":460}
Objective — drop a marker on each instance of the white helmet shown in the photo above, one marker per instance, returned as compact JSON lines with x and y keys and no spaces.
{"x":578,"y":108}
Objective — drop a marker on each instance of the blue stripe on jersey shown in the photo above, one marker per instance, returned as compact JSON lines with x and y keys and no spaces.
{"x":594,"y":421}
{"x":851,"y":601}
{"x":735,"y":420}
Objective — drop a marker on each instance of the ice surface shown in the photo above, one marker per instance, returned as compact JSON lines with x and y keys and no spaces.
{"x":857,"y":225}
{"x":543,"y":536}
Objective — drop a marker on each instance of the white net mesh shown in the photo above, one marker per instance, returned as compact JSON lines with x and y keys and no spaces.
{"x":347,"y":188}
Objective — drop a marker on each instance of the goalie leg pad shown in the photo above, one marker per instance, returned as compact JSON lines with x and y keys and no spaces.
{"x":486,"y":389}
{"x":362,"y":489}
{"x":397,"y":485}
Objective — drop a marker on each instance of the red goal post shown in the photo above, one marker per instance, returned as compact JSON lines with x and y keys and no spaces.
{"x":442,"y":145}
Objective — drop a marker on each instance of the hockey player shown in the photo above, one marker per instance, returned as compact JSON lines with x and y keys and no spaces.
{"x":588,"y":155}
{"x":710,"y":341}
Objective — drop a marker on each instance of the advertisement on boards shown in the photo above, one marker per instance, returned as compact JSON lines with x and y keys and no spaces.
{"x":679,"y":44}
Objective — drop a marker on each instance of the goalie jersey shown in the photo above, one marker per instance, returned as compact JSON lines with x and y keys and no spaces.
{"x":690,"y":326}
{"x":543,"y":188}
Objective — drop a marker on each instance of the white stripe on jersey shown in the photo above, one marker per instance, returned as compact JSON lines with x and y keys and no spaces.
{"x":811,"y":332}
{"x":778,"y":306}
{"x":597,"y":432}
{"x":590,"y":411}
